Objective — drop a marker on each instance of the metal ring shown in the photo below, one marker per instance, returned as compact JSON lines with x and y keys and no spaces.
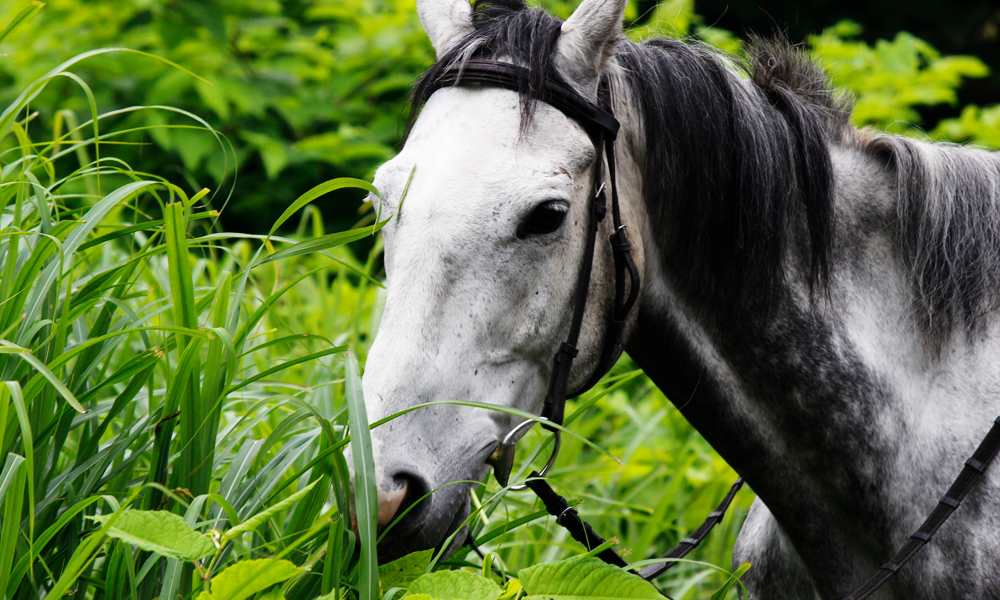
{"x":552,"y":459}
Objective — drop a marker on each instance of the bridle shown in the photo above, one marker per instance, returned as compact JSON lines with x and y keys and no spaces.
{"x":602,"y":127}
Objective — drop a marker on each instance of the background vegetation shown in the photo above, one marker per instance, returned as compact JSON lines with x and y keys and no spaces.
{"x":179,"y":334}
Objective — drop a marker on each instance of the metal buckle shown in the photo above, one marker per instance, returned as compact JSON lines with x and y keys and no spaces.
{"x":502,"y":458}
{"x":600,"y":190}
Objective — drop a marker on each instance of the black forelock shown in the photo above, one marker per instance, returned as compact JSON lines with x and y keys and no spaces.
{"x":508,"y":30}
{"x":731,"y":159}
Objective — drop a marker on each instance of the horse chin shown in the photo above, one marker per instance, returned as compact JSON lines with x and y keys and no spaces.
{"x":450,"y":536}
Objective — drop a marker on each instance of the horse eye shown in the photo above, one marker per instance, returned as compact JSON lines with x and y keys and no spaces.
{"x":546,"y":218}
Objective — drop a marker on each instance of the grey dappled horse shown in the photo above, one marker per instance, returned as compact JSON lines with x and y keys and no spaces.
{"x":819,"y":301}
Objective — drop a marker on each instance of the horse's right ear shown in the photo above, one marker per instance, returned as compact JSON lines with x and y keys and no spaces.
{"x":445,"y":21}
{"x":587,"y":40}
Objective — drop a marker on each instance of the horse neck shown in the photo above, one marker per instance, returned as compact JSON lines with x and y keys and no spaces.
{"x":825,"y":400}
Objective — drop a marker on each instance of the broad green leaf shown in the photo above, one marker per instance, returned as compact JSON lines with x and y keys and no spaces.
{"x":257,"y":520}
{"x":454,"y":585}
{"x":247,"y":577}
{"x":584,"y":578}
{"x":274,"y":594}
{"x":161,"y":532}
{"x":402,"y":571}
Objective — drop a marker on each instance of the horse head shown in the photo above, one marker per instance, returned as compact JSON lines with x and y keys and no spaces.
{"x":482,"y":258}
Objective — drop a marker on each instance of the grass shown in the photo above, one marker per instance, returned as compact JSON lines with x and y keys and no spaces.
{"x":152,"y":362}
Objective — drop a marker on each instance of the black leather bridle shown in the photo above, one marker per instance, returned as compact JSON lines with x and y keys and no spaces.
{"x":602,"y":127}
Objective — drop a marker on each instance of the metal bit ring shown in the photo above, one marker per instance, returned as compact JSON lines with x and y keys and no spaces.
{"x":503,"y":458}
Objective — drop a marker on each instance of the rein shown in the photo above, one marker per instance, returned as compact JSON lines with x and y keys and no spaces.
{"x":602,"y":127}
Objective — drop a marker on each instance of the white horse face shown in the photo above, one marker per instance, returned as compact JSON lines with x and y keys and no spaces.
{"x":482,"y":261}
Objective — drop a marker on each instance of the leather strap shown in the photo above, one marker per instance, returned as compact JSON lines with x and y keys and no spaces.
{"x":974,"y":468}
{"x":602,"y":127}
{"x":567,"y":517}
{"x":682,"y":549}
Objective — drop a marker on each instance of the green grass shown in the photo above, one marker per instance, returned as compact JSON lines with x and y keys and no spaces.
{"x":150,"y":362}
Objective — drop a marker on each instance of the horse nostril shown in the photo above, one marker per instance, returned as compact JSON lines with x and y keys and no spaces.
{"x":410,"y":490}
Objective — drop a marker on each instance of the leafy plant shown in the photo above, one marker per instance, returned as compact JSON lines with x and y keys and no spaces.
{"x":891,"y":78}
{"x":175,"y":399}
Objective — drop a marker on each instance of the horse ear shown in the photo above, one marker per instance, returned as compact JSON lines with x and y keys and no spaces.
{"x":445,"y":21}
{"x":587,"y":39}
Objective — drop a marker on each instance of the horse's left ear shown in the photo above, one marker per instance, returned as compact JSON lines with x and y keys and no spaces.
{"x":445,"y":21}
{"x":587,"y":40}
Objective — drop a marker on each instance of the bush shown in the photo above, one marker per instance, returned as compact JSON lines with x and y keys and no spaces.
{"x":304,"y":90}
{"x":174,"y":399}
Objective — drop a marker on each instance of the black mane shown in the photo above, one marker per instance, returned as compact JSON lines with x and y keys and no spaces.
{"x":721,"y":148}
{"x":736,"y":150}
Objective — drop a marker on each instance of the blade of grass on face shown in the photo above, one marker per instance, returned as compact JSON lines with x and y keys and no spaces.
{"x":365,"y":491}
{"x":321,"y":243}
{"x":316,"y":192}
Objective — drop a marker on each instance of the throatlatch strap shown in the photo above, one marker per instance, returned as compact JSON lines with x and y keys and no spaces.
{"x":971,"y":472}
{"x":570,"y":519}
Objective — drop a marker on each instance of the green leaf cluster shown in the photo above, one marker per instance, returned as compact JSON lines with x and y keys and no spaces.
{"x":302,"y":91}
{"x":890,"y":79}
{"x":175,"y":399}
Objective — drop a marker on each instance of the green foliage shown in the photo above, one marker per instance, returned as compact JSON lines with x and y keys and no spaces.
{"x":245,"y":578}
{"x":158,"y":531}
{"x":301,"y":89}
{"x":585,"y":578}
{"x":890,"y":79}
{"x":174,"y":406}
{"x":402,"y":571}
{"x":980,"y":126}
{"x":454,"y":585}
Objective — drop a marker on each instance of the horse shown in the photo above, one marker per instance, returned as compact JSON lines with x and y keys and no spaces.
{"x":819,"y":301}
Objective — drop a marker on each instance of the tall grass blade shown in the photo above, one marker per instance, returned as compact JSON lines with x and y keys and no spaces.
{"x":23,"y":15}
{"x":12,"y":508}
{"x":365,"y":490}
